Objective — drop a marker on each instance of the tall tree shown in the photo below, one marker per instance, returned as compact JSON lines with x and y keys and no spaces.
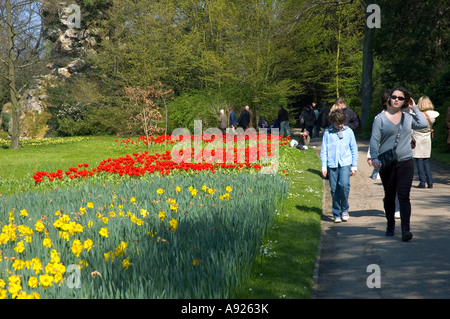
{"x":20,"y":25}
{"x":367,"y":67}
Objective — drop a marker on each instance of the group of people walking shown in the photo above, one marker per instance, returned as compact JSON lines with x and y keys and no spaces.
{"x":400,"y":132}
{"x":245,"y":120}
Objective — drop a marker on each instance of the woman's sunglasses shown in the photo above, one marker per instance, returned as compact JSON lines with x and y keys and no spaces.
{"x":400,"y":98}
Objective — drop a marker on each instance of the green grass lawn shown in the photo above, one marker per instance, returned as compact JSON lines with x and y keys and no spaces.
{"x":285,"y":264}
{"x":18,"y":166}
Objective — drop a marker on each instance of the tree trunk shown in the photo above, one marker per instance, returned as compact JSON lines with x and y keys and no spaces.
{"x":366,"y":81}
{"x":15,"y":109}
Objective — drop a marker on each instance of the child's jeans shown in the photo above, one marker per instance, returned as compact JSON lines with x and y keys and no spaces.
{"x":340,"y":188}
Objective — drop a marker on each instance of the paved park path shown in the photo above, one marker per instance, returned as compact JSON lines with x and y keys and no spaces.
{"x":418,"y":269}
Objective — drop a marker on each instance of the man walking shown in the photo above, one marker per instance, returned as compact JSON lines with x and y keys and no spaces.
{"x":283,"y":117}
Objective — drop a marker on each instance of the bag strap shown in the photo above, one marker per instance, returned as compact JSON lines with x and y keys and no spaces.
{"x":429,"y":122}
{"x":399,"y":130}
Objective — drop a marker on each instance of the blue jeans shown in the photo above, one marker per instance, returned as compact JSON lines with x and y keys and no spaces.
{"x":340,"y":188}
{"x":424,"y":171}
{"x":284,"y":126}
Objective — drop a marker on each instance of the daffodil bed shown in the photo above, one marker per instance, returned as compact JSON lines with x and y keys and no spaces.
{"x":155,"y":236}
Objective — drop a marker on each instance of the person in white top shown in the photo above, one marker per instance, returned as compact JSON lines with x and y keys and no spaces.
{"x":422,"y":151}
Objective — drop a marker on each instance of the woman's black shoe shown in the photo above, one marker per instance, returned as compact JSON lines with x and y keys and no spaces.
{"x":406,"y":235}
{"x":420,"y":186}
{"x":430,"y":185}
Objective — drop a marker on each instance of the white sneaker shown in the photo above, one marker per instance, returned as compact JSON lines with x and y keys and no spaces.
{"x":337,"y":220}
{"x":397,"y":215}
{"x":345,"y":216}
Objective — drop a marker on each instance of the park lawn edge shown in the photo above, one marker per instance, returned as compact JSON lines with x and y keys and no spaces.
{"x":285,"y":265}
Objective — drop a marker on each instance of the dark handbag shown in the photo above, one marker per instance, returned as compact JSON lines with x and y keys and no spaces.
{"x":389,"y":158}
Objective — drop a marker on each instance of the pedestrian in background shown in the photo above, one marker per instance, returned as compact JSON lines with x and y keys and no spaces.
{"x":283,"y":117}
{"x":233,"y":120}
{"x":352,"y":120}
{"x":244,"y":118}
{"x":422,"y":151}
{"x":223,"y":123}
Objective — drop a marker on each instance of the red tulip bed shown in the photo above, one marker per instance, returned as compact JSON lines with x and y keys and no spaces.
{"x":227,"y":156}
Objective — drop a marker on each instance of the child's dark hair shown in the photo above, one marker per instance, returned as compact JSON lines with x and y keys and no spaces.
{"x":338,"y":116}
{"x":385,"y":98}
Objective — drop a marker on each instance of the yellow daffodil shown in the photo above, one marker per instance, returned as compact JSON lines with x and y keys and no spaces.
{"x":144,"y":212}
{"x":120,"y":249}
{"x":88,"y":244}
{"x":173,"y":224}
{"x":228,"y":189}
{"x":108,"y":255}
{"x":18,"y":264}
{"x":90,"y":205}
{"x":77,"y":247}
{"x":133,"y":200}
{"x":24,"y":213}
{"x":104,"y":232}
{"x":126,"y":263}
{"x":160,"y":191}
{"x":54,"y":256}
{"x":46,"y":281}
{"x":162,"y":215}
{"x":20,"y":247}
{"x":47,"y":242}
{"x":33,"y":282}
{"x":36,"y":265}
{"x":178,"y":189}
{"x":39,"y":226}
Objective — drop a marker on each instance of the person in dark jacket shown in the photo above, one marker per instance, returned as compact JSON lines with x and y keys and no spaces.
{"x":233,"y":119}
{"x":284,"y":120}
{"x":309,"y":119}
{"x":244,"y":118}
{"x":352,"y":120}
{"x":325,"y":113}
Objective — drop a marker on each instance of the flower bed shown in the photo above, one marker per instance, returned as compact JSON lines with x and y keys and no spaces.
{"x":229,"y":157}
{"x":170,"y":237}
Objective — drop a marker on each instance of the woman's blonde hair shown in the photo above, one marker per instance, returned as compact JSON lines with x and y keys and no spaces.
{"x":334,"y":107}
{"x":424,"y":104}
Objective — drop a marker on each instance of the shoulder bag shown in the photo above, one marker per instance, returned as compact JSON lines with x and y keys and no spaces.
{"x":389,"y":158}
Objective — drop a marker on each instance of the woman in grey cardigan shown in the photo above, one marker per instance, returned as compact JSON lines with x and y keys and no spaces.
{"x":397,"y":180}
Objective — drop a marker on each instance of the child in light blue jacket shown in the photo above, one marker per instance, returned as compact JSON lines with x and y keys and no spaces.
{"x":339,"y":158}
